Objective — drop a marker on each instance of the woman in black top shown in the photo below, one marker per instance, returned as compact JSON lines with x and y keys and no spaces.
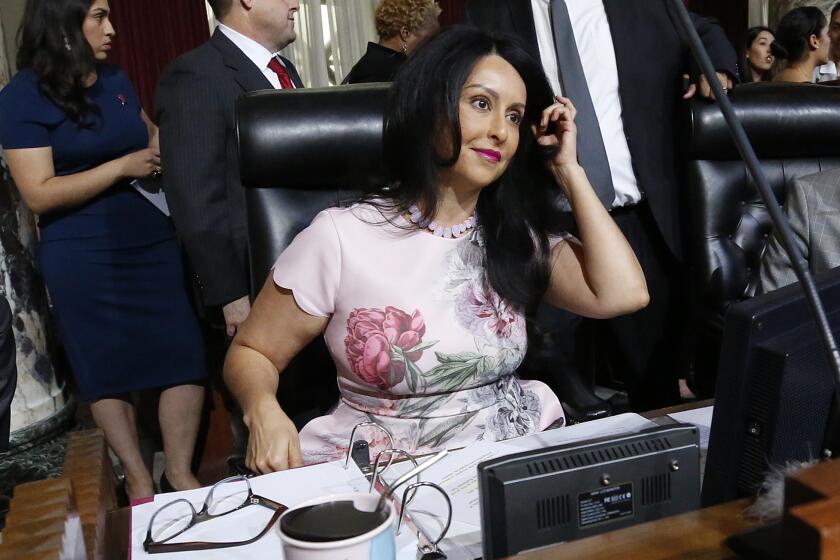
{"x":802,"y":42}
{"x":403,"y":26}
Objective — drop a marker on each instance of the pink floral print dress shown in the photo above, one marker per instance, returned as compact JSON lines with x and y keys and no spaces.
{"x":422,"y":344}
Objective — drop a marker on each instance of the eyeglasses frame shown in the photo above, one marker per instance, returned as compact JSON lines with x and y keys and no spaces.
{"x":157,"y":547}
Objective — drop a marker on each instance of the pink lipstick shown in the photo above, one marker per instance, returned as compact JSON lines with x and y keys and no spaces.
{"x":489,"y":155}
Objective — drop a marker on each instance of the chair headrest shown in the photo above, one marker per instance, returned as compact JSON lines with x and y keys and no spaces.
{"x":781,"y":120}
{"x":321,"y":138}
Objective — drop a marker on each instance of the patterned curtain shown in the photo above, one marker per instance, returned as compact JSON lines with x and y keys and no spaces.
{"x":151,"y":34}
{"x":452,"y":11}
{"x":39,"y":394}
{"x":779,"y":8}
{"x":759,"y":12}
{"x":351,"y":27}
{"x":4,"y":60}
{"x":332,"y":36}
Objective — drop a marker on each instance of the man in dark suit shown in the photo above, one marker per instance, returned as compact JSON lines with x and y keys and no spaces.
{"x":195,"y":111}
{"x":625,"y":59}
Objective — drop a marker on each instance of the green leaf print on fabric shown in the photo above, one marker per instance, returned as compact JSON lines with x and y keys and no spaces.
{"x":442,"y":430}
{"x":456,"y":370}
{"x":421,"y":407}
{"x":413,"y":375}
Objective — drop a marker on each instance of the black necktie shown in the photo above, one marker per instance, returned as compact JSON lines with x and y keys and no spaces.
{"x":592,"y":154}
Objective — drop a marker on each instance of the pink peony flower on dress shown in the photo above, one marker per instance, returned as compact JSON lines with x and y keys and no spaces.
{"x":485,"y":314}
{"x":370,"y":335}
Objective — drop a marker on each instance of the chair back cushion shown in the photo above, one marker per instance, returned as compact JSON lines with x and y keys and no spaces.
{"x":301,"y":151}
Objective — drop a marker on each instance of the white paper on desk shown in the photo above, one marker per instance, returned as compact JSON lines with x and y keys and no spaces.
{"x":73,"y":544}
{"x":612,"y":425}
{"x":288,"y":487}
{"x":700,"y":417}
{"x":157,"y":198}
{"x":456,"y":473}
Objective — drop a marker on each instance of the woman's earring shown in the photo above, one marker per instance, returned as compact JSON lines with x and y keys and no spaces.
{"x":67,"y":43}
{"x":405,"y":48}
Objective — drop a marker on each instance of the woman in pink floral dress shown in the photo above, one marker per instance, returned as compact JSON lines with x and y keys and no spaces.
{"x":421,"y":290}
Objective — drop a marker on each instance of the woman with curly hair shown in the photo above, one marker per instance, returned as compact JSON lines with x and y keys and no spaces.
{"x":74,"y":136}
{"x":403,"y":26}
{"x":421,"y":289}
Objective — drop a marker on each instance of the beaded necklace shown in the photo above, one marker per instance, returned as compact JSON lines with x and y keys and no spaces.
{"x":418,"y":218}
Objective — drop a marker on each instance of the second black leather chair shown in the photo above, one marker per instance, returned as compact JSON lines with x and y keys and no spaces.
{"x":795,"y":130}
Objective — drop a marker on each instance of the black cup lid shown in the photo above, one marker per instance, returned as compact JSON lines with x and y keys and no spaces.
{"x":331,"y":521}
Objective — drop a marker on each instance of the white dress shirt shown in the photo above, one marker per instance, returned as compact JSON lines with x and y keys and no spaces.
{"x":257,"y":53}
{"x":597,"y":56}
{"x":825,"y":72}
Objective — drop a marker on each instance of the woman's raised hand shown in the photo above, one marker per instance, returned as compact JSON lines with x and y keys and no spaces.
{"x":141,"y":163}
{"x":273,"y":442}
{"x":557,"y":128}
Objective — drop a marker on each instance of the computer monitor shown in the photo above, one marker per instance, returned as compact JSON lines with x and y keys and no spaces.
{"x":774,"y":389}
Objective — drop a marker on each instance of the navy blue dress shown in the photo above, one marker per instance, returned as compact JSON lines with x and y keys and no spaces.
{"x":112,"y":266}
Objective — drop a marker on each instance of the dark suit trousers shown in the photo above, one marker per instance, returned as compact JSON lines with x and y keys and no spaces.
{"x":643,"y":348}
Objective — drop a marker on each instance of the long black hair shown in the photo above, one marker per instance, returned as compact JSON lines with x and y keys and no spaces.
{"x":52,"y":44}
{"x":519,"y":209}
{"x":795,"y":30}
{"x":744,"y":67}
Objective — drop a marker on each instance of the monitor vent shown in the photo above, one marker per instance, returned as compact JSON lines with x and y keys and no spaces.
{"x":656,"y":489}
{"x":553,"y":512}
{"x":597,"y":456}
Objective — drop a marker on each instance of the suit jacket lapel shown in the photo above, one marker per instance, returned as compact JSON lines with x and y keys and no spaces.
{"x":293,"y":73}
{"x":522,"y":17}
{"x":619,"y":13}
{"x":247,"y":75}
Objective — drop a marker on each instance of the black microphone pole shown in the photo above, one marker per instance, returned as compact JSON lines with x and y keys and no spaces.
{"x":783,"y":230}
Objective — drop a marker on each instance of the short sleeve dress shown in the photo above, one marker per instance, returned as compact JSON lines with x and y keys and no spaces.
{"x":112,"y":265}
{"x":421,"y":343}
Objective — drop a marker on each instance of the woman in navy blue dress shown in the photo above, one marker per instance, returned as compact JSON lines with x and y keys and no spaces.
{"x":74,"y":137}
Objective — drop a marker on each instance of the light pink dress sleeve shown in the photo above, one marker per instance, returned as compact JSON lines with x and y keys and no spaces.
{"x":554,"y":240}
{"x":311,"y":267}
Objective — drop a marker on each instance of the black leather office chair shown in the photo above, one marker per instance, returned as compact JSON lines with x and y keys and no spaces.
{"x":795,"y":130}
{"x":301,"y":151}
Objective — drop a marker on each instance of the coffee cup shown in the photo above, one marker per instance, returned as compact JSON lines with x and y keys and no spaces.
{"x":339,"y":527}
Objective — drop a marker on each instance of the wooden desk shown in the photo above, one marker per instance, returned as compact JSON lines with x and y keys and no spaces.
{"x":696,"y":535}
{"x":658,"y":413}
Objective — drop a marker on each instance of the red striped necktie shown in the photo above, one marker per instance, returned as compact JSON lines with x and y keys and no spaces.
{"x":277,"y":67}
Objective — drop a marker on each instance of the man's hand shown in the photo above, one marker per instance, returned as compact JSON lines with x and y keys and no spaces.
{"x":235,"y":314}
{"x":705,"y":89}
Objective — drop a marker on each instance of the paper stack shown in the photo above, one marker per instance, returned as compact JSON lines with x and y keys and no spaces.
{"x":43,"y":523}
{"x":89,"y":468}
{"x":64,"y":518}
